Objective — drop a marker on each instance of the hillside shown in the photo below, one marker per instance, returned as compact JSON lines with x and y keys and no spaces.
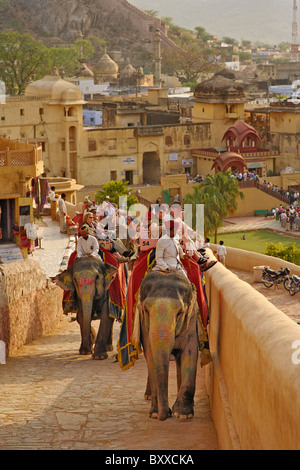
{"x":257,"y":20}
{"x":122,"y":25}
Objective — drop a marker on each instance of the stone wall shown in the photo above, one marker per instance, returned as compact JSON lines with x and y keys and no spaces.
{"x":253,"y":381}
{"x":30,"y":305}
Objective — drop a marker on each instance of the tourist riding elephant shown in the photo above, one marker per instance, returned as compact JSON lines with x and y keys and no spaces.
{"x":88,"y":279}
{"x":168,"y":313}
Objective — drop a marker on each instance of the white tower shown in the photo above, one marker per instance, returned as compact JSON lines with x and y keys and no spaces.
{"x":295,"y":25}
{"x":295,"y":49}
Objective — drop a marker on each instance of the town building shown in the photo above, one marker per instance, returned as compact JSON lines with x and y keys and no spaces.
{"x":21,"y":169}
{"x":144,"y":138}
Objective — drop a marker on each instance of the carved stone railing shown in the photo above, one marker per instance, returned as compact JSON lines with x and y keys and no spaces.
{"x":17,"y":153}
{"x":20,"y":157}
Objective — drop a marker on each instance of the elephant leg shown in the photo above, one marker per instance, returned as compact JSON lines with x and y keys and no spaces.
{"x":158,"y":367}
{"x":148,"y":390}
{"x":186,"y":363}
{"x":100,"y":350}
{"x":151,"y":383}
{"x":157,"y":385}
{"x":109,"y":346}
{"x":86,"y":347}
{"x":93,"y":335}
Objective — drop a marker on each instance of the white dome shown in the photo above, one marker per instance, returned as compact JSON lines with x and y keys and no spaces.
{"x":55,"y":88}
{"x":106,"y":66}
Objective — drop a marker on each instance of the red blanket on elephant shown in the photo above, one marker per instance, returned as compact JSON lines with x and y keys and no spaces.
{"x":194,"y":275}
{"x":127,"y":353}
{"x":117,"y":289}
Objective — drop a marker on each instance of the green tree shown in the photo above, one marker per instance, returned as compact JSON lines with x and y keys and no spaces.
{"x":22,"y":58}
{"x":83,"y":48}
{"x":153,"y":13}
{"x":219,"y":193}
{"x":229,"y":40}
{"x":64,"y":58}
{"x":202,"y":34}
{"x":68,"y":58}
{"x":98,"y":44}
{"x":189,"y":63}
{"x":114,"y":189}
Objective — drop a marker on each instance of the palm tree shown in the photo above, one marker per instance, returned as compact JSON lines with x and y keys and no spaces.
{"x":219,"y":194}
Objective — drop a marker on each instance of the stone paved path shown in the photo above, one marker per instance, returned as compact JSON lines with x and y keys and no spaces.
{"x":52,"y":398}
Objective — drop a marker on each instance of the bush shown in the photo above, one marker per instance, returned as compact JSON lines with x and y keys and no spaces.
{"x":289,"y":253}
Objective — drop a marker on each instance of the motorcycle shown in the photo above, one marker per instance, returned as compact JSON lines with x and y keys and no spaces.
{"x":292,"y":284}
{"x":274,"y":278}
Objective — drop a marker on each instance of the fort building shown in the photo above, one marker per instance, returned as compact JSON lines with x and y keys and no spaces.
{"x":21,"y":164}
{"x":143,"y":139}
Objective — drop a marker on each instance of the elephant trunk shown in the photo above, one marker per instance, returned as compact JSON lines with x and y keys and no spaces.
{"x":86,"y":292}
{"x":161,"y":341}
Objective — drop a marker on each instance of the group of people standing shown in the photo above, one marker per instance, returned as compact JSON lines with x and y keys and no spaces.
{"x":288,"y":217}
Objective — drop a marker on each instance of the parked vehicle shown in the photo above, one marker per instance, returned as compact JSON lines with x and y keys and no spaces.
{"x":274,"y":278}
{"x":293,"y":284}
{"x":287,"y":282}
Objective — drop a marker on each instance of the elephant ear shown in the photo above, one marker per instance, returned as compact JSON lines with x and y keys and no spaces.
{"x":64,"y":280}
{"x":110,"y":275}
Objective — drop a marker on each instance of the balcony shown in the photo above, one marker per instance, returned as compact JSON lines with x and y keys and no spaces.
{"x":18,"y":155}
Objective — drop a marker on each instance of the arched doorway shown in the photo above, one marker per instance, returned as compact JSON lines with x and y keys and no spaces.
{"x":151,"y":168}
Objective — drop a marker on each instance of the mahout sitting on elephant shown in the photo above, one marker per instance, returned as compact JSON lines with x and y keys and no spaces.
{"x":88,"y":280}
{"x":168,"y":323}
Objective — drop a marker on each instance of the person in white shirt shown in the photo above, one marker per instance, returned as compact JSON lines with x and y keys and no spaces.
{"x":53,"y":202}
{"x":52,"y":194}
{"x":169,"y":252}
{"x":221,"y":251}
{"x":87,"y":245}
{"x":206,"y":243}
{"x":62,"y":210}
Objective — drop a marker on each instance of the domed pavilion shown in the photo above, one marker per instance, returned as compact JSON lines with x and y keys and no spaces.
{"x":106,"y":70}
{"x":55,"y":89}
{"x":229,"y":160}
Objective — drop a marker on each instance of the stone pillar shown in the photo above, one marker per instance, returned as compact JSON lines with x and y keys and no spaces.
{"x":157,"y":58}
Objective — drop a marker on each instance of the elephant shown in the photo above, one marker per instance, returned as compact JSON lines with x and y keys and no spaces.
{"x":88,"y":279}
{"x":168,"y":318}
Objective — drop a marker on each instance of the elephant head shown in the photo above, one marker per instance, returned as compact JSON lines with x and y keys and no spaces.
{"x":89,"y":279}
{"x":168,"y":319}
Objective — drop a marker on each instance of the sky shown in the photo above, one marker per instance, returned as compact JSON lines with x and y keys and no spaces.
{"x":257,"y":20}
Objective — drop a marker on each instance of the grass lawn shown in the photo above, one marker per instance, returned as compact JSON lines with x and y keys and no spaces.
{"x":255,"y":241}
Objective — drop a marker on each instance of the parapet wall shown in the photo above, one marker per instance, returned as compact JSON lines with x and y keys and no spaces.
{"x":254,"y":379}
{"x":30,"y":305}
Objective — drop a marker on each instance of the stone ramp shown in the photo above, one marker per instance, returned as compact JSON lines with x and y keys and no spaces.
{"x":54,"y":399}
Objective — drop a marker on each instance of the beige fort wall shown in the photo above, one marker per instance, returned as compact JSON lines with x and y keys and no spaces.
{"x":30,"y":304}
{"x":252,"y":382}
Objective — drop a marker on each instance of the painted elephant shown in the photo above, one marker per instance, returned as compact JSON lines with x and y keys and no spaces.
{"x":168,"y":313}
{"x":88,"y":279}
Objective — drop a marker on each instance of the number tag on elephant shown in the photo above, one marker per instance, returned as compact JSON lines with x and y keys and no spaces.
{"x":147,"y":243}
